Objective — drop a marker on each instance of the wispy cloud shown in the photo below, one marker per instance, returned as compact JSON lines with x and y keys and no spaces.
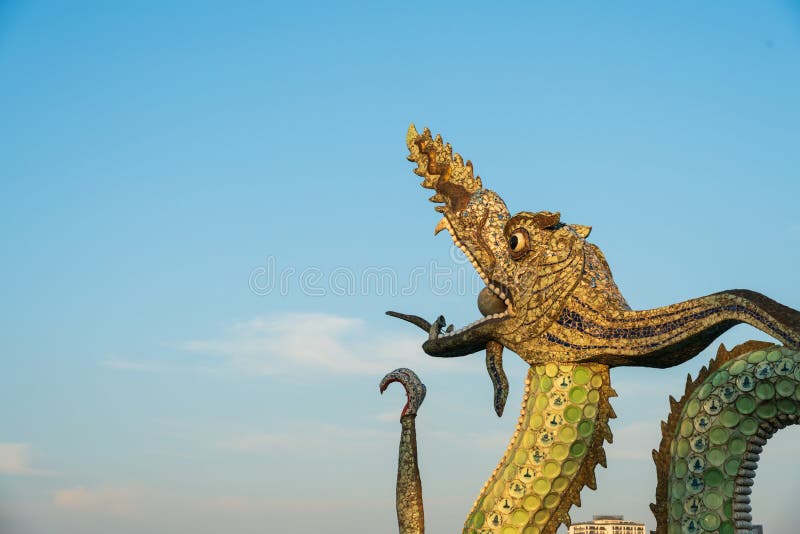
{"x":122,"y":364}
{"x":96,"y":509}
{"x":16,"y":459}
{"x":334,"y":436}
{"x":313,"y":342}
{"x":388,"y":417}
{"x":105,"y":501}
{"x":261,"y":442}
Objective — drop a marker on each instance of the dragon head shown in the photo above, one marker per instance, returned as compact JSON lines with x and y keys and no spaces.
{"x":530,"y":262}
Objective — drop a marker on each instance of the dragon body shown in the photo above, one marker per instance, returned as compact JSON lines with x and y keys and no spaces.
{"x":715,"y":434}
{"x":556,"y":445}
{"x":550,"y":297}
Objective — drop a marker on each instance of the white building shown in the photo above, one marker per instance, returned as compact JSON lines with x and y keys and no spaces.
{"x":607,"y":524}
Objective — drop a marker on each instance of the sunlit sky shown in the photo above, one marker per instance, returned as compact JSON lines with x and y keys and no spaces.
{"x":205,"y":209}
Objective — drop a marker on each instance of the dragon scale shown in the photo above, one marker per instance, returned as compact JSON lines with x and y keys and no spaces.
{"x":714,"y":435}
{"x":555,"y":447}
{"x":550,"y":297}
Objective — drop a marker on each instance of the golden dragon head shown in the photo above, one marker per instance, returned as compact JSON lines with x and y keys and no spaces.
{"x":530,"y":262}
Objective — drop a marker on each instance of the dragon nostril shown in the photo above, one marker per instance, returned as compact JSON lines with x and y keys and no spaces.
{"x":489,"y":303}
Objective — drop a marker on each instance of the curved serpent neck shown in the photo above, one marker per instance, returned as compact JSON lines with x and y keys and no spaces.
{"x":410,"y":513}
{"x":714,"y":435}
{"x":661,"y":337}
{"x":557,"y":443}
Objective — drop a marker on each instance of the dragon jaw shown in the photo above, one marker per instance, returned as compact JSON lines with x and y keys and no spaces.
{"x":495,"y":301}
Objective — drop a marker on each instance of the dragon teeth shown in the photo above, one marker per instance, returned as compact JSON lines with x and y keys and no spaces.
{"x":442,"y":225}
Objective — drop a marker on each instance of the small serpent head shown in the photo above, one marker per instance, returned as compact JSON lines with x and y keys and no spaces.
{"x":415,"y":389}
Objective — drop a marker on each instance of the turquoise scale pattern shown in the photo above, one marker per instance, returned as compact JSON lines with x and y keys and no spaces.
{"x":725,"y":419}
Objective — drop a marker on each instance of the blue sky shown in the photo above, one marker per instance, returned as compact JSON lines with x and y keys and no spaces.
{"x":160,"y":161}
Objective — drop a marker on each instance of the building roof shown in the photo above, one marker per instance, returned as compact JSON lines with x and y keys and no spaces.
{"x":608,"y":520}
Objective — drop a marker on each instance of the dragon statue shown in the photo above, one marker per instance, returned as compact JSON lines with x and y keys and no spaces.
{"x":550,"y":298}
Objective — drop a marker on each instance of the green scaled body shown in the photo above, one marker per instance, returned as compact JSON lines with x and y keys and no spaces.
{"x":552,"y":454}
{"x":715,"y":434}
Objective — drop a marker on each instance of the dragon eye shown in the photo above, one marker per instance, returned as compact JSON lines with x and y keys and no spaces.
{"x":518,"y":242}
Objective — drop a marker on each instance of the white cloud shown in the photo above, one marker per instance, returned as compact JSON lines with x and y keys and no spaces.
{"x":388,"y":417}
{"x":298,"y":343}
{"x":335,"y":437}
{"x":109,"y":501}
{"x":204,"y":510}
{"x":262,"y":442}
{"x":122,"y":364}
{"x":15,"y":459}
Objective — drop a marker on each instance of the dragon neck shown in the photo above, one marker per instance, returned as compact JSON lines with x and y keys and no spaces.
{"x":552,"y":454}
{"x":410,"y":513}
{"x":666,"y":336}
